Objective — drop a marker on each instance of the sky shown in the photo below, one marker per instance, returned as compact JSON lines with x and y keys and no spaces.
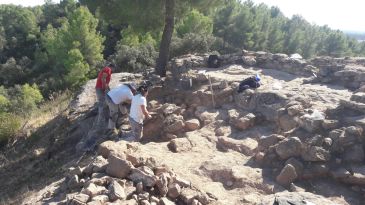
{"x":346,"y":15}
{"x":25,"y":2}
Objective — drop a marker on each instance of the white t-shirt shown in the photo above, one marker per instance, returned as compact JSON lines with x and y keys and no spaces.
{"x":120,"y":94}
{"x":136,"y":112}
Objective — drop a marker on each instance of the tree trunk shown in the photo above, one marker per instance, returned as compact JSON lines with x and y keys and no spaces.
{"x":166,"y":38}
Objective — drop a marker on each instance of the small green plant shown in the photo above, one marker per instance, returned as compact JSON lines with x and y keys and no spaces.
{"x":9,"y":126}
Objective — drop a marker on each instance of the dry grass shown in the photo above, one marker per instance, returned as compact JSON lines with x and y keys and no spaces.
{"x":47,"y":112}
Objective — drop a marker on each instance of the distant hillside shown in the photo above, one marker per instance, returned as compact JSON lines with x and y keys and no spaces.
{"x":360,"y":36}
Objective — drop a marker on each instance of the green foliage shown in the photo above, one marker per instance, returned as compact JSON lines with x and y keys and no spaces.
{"x":12,"y":73}
{"x":192,"y":43}
{"x":132,"y":59}
{"x":4,"y":103}
{"x":195,"y":22}
{"x":9,"y":125}
{"x":76,"y":67}
{"x":18,"y":32}
{"x":132,"y":38}
{"x":28,"y":99}
{"x":74,"y":47}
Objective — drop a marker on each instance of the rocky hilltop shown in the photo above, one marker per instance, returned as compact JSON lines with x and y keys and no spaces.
{"x":298,"y":139}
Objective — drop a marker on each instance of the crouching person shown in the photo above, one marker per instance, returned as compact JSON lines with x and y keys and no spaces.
{"x":115,"y":99}
{"x":139,"y":112}
{"x":252,"y":82}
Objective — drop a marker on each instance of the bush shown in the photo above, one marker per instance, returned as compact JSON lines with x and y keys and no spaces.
{"x":24,"y":99}
{"x":133,"y":59}
{"x":9,"y":126}
{"x":191,"y":43}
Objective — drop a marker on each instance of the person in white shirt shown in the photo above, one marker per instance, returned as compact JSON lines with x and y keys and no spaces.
{"x":139,"y":112}
{"x":116,"y":98}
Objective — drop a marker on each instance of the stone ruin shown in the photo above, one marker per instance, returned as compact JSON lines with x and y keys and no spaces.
{"x":312,"y":135}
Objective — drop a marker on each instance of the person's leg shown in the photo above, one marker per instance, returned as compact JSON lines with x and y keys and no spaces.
{"x":100,"y":96}
{"x":136,"y":129}
{"x":113,"y":113}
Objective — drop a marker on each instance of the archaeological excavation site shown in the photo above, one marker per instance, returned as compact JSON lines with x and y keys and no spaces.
{"x":298,"y":139}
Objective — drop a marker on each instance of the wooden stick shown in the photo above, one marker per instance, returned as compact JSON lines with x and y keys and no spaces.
{"x":211,"y":90}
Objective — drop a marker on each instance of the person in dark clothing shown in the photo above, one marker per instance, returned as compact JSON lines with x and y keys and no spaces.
{"x":251,"y":82}
{"x":214,"y":61}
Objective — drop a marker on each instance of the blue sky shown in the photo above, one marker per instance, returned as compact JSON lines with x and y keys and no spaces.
{"x":346,"y":15}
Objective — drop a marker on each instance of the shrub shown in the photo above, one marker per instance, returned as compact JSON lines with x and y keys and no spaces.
{"x":24,"y":99}
{"x":191,"y":43}
{"x":133,"y":59}
{"x":9,"y":126}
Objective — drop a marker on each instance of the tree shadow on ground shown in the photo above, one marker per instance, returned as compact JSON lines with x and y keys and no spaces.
{"x":41,"y":159}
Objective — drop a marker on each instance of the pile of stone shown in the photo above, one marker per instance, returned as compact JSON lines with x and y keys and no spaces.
{"x":168,"y":122}
{"x":308,"y":157}
{"x":356,"y":102}
{"x":118,"y":176}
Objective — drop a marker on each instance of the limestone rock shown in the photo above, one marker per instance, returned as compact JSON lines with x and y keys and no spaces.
{"x":180,"y":145}
{"x":108,"y":147}
{"x":78,"y":199}
{"x":162,"y":184}
{"x":100,"y":164}
{"x":249,"y":60}
{"x":246,"y":146}
{"x":289,"y":147}
{"x":315,"y":154}
{"x":165,"y":201}
{"x":192,"y":124}
{"x":295,"y":109}
{"x":101,"y":198}
{"x":287,"y":123}
{"x":357,"y":177}
{"x":175,"y":127}
{"x":287,"y":175}
{"x":298,"y":198}
{"x":223,"y":131}
{"x":94,"y":190}
{"x":239,"y":121}
{"x":174,"y":191}
{"x":137,"y":175}
{"x":265,"y":142}
{"x":116,"y":191}
{"x":296,"y":164}
{"x":118,"y":166}
{"x":310,"y":123}
{"x":181,"y":182}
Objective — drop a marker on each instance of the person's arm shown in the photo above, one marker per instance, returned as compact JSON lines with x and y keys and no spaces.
{"x":104,"y":85}
{"x":145,"y":112}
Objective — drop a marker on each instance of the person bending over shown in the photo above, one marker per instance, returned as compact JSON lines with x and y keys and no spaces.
{"x":252,"y":82}
{"x":115,"y":99}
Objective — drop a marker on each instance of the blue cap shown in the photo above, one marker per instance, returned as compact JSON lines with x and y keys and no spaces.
{"x":257,"y":77}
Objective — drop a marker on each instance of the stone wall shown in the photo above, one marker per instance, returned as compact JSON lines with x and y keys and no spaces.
{"x":348,"y":72}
